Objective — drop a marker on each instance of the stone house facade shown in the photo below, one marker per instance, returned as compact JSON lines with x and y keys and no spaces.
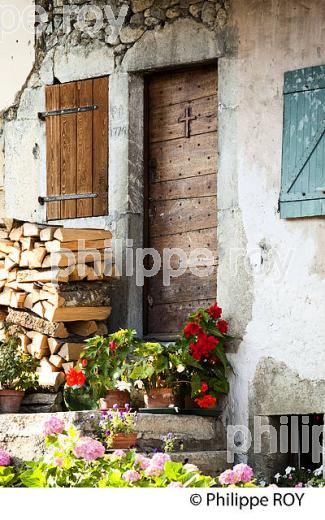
{"x":270,"y":273}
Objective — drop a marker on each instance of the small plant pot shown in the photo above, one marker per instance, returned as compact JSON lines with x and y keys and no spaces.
{"x":119,"y":397}
{"x":10,"y":401}
{"x":124,"y":441}
{"x":159,"y":398}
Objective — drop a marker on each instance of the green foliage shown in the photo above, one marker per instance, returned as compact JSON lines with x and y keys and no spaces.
{"x":106,"y":361}
{"x":17,"y":369}
{"x":7,"y":476}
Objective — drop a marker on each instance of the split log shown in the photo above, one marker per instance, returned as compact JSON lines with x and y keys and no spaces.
{"x":17,"y":300}
{"x":77,"y":313}
{"x":28,"y":303}
{"x":5,"y":297}
{"x":10,"y":264}
{"x":16,"y":233}
{"x":47,"y":233}
{"x":51,"y":380}
{"x":46,"y":366}
{"x":78,"y":294}
{"x":39,"y":346}
{"x":70,"y":234}
{"x":39,"y":309}
{"x":27,"y":320}
{"x":42,"y":276}
{"x":56,"y":361}
{"x":25,"y":341}
{"x":6,"y":246}
{"x":4,"y":234}
{"x":36,"y":257}
{"x":54,"y":345}
{"x":27,"y":243}
{"x":32,"y":230}
{"x":68,"y":366}
{"x":72,"y":351}
{"x":83,"y":328}
{"x":55,"y":246}
{"x":24,"y":259}
{"x":102,"y":329}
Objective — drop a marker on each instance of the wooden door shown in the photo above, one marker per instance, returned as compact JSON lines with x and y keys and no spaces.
{"x":181,"y":190}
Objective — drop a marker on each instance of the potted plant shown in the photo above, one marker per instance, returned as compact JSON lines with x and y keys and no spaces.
{"x":104,"y":364}
{"x":117,"y":428}
{"x":17,"y":374}
{"x":201,"y":353}
{"x":155,"y":371}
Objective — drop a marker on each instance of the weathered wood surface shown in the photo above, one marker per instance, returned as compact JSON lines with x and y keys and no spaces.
{"x":31,"y":322}
{"x":182,"y":188}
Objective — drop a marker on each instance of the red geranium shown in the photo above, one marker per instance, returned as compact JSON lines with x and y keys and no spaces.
{"x":113,"y":345}
{"x":84,"y":363}
{"x":203,"y":347}
{"x":192,"y":329}
{"x":75,"y":377}
{"x":215,"y":311}
{"x":222,"y":326}
{"x":204,"y":387}
{"x":206,"y":402}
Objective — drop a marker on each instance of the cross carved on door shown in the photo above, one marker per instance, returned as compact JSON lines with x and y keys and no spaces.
{"x":187,"y":118}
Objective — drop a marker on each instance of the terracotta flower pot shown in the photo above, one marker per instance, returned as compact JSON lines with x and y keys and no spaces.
{"x":10,"y":401}
{"x":124,"y":441}
{"x":119,"y":397}
{"x":159,"y":398}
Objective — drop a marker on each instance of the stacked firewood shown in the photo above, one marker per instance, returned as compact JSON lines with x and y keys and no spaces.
{"x":54,"y":291}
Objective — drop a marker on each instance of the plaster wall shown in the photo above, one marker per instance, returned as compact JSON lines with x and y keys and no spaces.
{"x":271,"y":271}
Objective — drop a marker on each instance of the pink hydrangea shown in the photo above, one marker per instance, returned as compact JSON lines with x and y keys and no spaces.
{"x":131,"y":476}
{"x":58,"y":461}
{"x":243,"y":473}
{"x":159,"y":459}
{"x":118,"y":454}
{"x":175,"y":485}
{"x":5,"y":459}
{"x":53,"y":426}
{"x":153,"y":470}
{"x":88,"y":449}
{"x":227,"y":478}
{"x":142,"y":461}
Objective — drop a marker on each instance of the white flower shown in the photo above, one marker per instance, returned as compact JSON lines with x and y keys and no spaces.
{"x":139,"y":384}
{"x":190,"y":468}
{"x":180,"y":369}
{"x":318,"y":472}
{"x":123,"y":385}
{"x":289,"y":469}
{"x":277,"y":476}
{"x":262,"y":483}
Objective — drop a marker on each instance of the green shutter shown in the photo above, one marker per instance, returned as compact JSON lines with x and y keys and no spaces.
{"x":303,"y":154}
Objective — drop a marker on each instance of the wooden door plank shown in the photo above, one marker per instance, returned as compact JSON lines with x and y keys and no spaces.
{"x":203,"y":238}
{"x":53,"y":151}
{"x":184,"y":188}
{"x":100,"y":146}
{"x":85,"y":148}
{"x":165,"y":125}
{"x":184,"y":157}
{"x":182,"y":86}
{"x":182,"y":288}
{"x":170,"y":217}
{"x":69,"y":150}
{"x":170,"y":317}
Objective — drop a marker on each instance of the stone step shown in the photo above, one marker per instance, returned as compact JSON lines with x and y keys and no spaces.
{"x":22,"y":434}
{"x":209,"y":462}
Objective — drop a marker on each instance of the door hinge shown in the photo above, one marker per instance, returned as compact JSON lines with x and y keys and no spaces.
{"x":66,"y":111}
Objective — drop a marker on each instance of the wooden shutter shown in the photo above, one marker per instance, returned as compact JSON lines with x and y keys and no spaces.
{"x":77,"y":148}
{"x":303,"y":155}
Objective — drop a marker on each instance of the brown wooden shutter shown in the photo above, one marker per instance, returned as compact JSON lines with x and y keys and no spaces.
{"x":77,"y":148}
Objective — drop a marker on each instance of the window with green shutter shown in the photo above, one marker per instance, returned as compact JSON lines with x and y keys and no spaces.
{"x":303,"y":154}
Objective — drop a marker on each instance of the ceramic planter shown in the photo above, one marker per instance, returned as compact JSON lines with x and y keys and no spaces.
{"x":119,"y":397}
{"x":159,"y":398}
{"x":10,"y":401}
{"x":124,"y":441}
